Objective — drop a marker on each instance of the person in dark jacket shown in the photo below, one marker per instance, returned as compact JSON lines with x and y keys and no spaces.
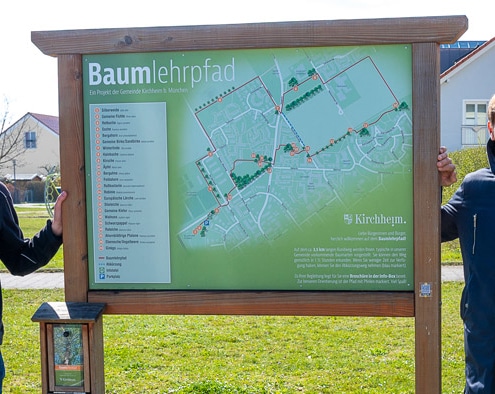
{"x":470,"y":216}
{"x":20,"y":255}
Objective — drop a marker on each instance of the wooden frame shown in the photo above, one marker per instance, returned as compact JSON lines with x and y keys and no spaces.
{"x":425,"y":35}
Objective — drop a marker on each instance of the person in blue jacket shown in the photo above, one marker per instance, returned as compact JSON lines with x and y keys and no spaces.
{"x":470,"y":216}
{"x":22,"y":255}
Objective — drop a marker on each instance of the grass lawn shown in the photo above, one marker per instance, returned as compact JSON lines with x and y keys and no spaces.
{"x":247,"y":354}
{"x":232,"y":354}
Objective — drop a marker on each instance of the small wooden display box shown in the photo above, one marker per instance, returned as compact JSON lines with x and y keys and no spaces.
{"x":71,"y":342}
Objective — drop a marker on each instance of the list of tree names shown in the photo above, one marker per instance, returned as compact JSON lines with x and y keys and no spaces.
{"x":129,"y":186}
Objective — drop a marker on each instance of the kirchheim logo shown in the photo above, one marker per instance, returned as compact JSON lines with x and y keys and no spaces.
{"x":377,"y":218}
{"x":348,"y":218}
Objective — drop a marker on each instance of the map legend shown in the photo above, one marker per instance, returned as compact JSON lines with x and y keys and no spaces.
{"x":128,"y":151}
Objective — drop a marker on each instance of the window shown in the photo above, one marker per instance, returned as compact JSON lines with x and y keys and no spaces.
{"x":474,"y":130}
{"x":30,"y":140}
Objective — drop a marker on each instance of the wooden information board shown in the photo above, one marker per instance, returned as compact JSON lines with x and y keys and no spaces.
{"x":269,"y":169}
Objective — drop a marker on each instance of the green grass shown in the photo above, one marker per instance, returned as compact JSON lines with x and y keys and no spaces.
{"x":242,"y":354}
{"x":451,"y":253}
{"x":249,"y":354}
{"x":231,"y":354}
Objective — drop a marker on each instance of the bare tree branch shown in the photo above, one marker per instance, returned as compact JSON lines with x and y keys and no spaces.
{"x":12,"y":144}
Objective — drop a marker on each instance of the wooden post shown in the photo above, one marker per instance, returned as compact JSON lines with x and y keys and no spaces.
{"x":426,"y":122}
{"x":73,"y":177}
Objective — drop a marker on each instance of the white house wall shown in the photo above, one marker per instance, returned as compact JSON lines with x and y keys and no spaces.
{"x":474,"y":80}
{"x":46,"y":153}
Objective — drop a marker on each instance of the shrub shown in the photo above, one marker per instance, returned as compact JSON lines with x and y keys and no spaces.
{"x":466,"y":161}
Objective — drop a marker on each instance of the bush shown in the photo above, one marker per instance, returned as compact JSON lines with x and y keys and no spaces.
{"x":466,"y":161}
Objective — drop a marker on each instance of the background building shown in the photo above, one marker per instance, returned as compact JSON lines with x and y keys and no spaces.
{"x":29,"y":150}
{"x":465,"y":89}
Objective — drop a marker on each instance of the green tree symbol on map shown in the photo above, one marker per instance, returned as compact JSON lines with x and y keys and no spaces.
{"x":293,"y":82}
{"x":288,"y":148}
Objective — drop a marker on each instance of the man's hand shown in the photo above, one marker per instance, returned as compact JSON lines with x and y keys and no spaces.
{"x":446,"y":168}
{"x":57,"y":214}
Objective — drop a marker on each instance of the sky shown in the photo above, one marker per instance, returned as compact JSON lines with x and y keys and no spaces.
{"x":28,"y":78}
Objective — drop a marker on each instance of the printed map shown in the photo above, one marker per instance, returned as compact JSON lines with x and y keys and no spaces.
{"x":318,"y":131}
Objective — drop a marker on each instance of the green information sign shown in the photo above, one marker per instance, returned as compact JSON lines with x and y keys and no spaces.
{"x":263,"y":169}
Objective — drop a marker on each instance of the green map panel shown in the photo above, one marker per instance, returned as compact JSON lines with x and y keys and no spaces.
{"x":269,"y":169}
